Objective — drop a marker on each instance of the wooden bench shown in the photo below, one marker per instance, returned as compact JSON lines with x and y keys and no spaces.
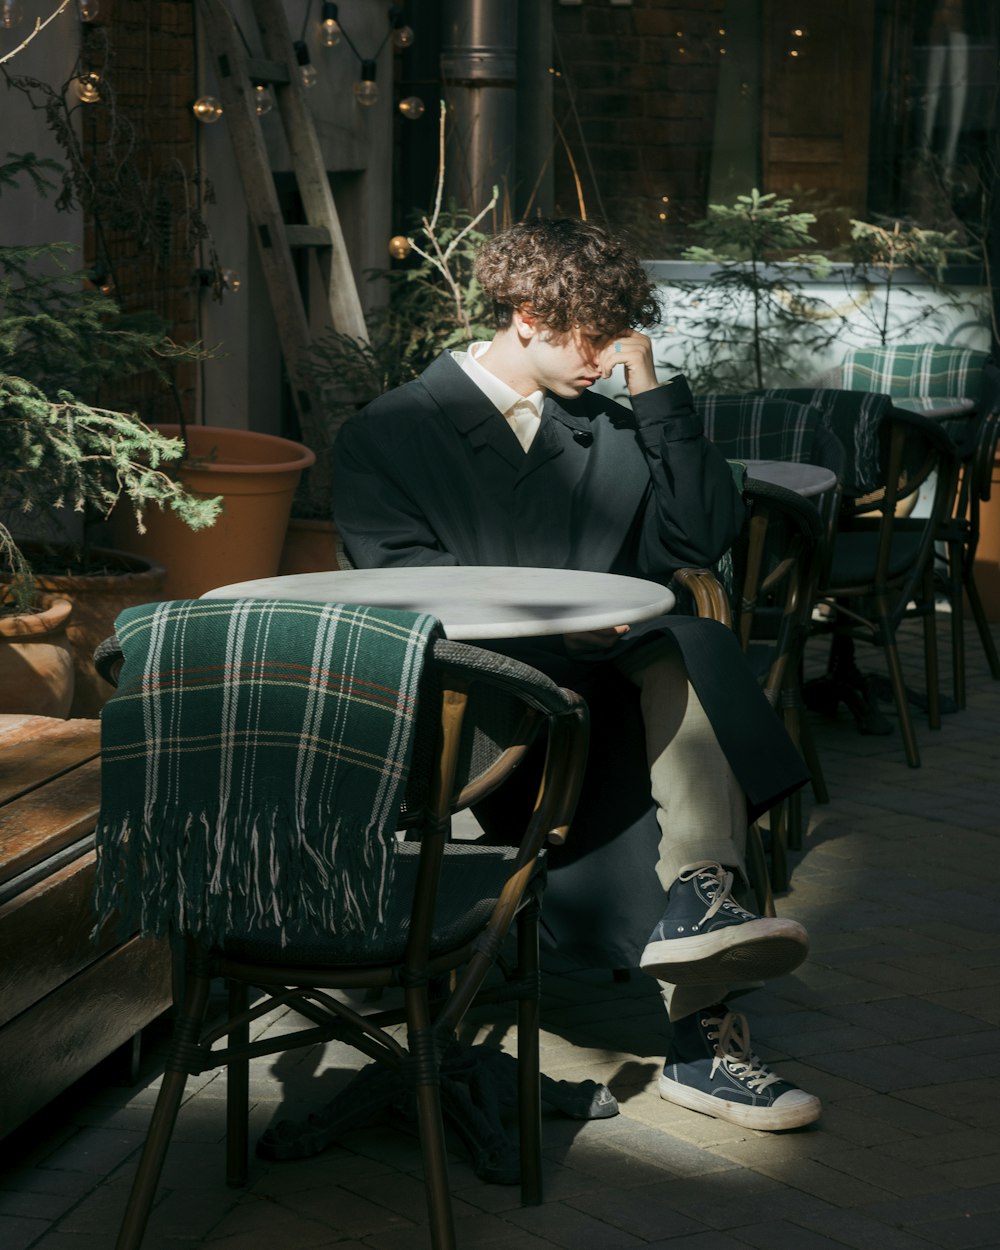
{"x":66,"y":1002}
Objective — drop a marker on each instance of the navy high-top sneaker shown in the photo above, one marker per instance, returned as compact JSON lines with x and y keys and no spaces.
{"x":711,"y":1068}
{"x":704,"y":935}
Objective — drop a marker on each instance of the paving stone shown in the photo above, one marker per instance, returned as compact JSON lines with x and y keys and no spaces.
{"x":565,"y":1226}
{"x":893,"y":1021}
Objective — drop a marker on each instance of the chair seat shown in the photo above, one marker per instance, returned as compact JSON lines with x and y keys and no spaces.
{"x":469,"y":871}
{"x":854,"y":557}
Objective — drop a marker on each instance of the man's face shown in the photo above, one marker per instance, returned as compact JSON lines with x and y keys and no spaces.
{"x":567,"y":363}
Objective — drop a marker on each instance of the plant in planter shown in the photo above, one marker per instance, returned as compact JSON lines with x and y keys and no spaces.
{"x":752,"y":316}
{"x":883,"y":254}
{"x":60,"y":341}
{"x":434,"y":303}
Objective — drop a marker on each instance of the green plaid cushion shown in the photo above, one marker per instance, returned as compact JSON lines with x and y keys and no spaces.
{"x":758,"y":427}
{"x":908,"y":370}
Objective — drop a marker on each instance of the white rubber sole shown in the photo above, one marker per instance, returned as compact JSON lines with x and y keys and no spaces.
{"x":756,"y":950}
{"x":794,"y":1109}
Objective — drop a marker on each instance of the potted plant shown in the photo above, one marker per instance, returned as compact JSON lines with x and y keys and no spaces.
{"x":754,"y":316}
{"x":64,"y":458}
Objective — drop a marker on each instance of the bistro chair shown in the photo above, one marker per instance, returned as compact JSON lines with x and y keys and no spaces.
{"x":910,"y":370}
{"x":772,"y":580}
{"x":767,"y":426}
{"x":882,"y":565}
{"x":301,"y":738}
{"x":974,"y":438}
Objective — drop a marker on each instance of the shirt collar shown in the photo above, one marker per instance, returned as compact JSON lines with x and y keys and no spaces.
{"x":502,"y":396}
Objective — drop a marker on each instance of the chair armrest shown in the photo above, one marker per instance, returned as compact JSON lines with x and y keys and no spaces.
{"x":108,"y":659}
{"x":710,"y":599}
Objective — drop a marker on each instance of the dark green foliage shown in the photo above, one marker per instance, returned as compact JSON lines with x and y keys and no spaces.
{"x":59,"y":341}
{"x":752,"y":318}
{"x":434,"y":304}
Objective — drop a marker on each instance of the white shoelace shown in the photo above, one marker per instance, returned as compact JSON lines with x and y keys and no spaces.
{"x":732,"y":1048}
{"x":721,"y":877}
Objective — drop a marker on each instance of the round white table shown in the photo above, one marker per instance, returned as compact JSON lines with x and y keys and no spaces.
{"x":478,"y":602}
{"x":804,"y":479}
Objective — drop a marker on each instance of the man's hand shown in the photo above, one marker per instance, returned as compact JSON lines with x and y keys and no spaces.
{"x":594,"y":639}
{"x":635,"y":352}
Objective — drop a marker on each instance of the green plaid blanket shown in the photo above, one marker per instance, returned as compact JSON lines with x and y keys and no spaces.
{"x":253,"y":763}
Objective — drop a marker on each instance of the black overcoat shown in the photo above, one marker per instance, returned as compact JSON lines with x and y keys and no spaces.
{"x":431,"y":473}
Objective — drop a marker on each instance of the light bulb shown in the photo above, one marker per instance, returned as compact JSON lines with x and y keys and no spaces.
{"x":403,"y":36}
{"x":88,"y":88}
{"x":365,"y":89}
{"x":263,"y":100}
{"x":307,"y":72}
{"x":11,"y":14}
{"x":89,"y":10}
{"x":231,"y":280}
{"x":207,"y":109}
{"x":412,"y":107}
{"x":400,"y":247}
{"x":329,"y":27}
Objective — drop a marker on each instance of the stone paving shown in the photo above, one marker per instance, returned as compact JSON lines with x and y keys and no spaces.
{"x":894,"y":1021}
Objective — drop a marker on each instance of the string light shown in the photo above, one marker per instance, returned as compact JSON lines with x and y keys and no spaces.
{"x":412,"y":107}
{"x":307,"y":71}
{"x":11,"y":14}
{"x":402,"y":34}
{"x":207,"y":109}
{"x":263,"y":100}
{"x":329,"y":26}
{"x":365,"y":89}
{"x":88,"y":88}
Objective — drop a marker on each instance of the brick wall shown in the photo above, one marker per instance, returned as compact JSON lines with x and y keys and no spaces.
{"x":635,"y":99}
{"x":143,"y":222}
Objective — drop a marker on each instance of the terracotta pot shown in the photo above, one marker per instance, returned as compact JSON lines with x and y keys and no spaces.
{"x":36,"y":662}
{"x":97,"y":599}
{"x":257,"y":475}
{"x":310,"y":547}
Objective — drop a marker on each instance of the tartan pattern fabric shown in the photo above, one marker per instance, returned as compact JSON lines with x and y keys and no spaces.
{"x":758,"y":427}
{"x":253,"y":762}
{"x":855,"y":417}
{"x":909,"y":370}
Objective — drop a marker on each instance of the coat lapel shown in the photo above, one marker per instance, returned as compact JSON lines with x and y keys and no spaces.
{"x":468,"y":409}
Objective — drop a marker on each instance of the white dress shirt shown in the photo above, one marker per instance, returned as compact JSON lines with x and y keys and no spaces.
{"x":523,"y":413}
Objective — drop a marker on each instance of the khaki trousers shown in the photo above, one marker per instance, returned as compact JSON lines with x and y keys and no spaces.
{"x":701,"y":809}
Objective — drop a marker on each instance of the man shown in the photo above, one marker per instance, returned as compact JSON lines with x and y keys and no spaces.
{"x":502,"y":454}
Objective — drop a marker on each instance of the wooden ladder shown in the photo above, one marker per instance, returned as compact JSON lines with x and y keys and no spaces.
{"x":337,"y":307}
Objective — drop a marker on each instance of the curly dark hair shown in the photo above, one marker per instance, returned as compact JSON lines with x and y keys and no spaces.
{"x":571,"y":273}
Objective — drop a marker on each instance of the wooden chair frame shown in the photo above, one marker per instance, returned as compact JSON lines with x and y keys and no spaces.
{"x":464,"y":674}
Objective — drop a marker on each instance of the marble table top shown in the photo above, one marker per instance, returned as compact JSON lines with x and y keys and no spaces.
{"x":478,"y":602}
{"x":804,"y":479}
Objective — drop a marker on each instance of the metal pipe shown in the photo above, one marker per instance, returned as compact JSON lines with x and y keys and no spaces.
{"x":479,"y":77}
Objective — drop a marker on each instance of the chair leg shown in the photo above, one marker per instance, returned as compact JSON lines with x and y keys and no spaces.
{"x":932,"y":675}
{"x":168,"y":1101}
{"x":426,"y":1071}
{"x":529,"y":1097}
{"x":757,"y":872}
{"x":811,"y":756}
{"x":982,"y":625}
{"x":237,"y":1091}
{"x":955,"y":597}
{"x":779,"y":846}
{"x":900,"y":697}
